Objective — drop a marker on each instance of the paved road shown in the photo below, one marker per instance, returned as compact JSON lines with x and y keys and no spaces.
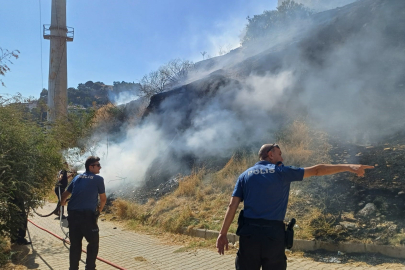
{"x":138,"y":251}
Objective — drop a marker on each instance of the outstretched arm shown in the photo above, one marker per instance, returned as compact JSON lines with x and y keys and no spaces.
{"x":222,"y":240}
{"x":327,"y":169}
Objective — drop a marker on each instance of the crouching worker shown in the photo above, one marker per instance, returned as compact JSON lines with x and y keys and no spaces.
{"x":265,"y":188}
{"x":83,"y":211}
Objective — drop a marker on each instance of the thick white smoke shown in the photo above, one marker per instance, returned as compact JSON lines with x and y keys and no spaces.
{"x":350,"y":88}
{"x":124,"y":163}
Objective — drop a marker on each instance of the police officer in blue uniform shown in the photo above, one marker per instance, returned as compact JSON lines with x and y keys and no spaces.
{"x":264,"y":189}
{"x":83,"y":211}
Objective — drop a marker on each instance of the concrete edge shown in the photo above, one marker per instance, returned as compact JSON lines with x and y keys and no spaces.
{"x":310,"y":245}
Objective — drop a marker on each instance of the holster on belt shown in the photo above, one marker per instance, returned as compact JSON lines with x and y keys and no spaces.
{"x":241,"y":220}
{"x":289,"y":234}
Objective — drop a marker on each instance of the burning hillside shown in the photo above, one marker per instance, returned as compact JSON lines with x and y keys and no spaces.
{"x":341,"y":71}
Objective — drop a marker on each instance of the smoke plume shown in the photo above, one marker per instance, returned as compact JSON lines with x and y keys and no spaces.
{"x":344,"y":73}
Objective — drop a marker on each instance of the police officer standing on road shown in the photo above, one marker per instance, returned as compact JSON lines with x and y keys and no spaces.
{"x":83,"y":211}
{"x":265,"y":188}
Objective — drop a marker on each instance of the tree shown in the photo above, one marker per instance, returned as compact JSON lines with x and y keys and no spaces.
{"x":87,"y":93}
{"x":167,"y":76}
{"x":44,"y":94}
{"x":74,"y":131}
{"x":5,"y":56}
{"x":29,"y":161}
{"x":40,"y":111}
{"x":289,"y":13}
{"x":131,"y":87}
{"x":203,"y":54}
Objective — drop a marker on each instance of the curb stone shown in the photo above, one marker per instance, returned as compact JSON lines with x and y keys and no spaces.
{"x":311,"y":245}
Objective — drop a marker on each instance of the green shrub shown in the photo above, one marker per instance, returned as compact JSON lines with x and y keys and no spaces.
{"x":4,"y":251}
{"x":271,"y":22}
{"x":29,"y":160}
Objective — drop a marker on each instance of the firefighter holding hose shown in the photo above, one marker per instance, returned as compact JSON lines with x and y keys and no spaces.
{"x":83,"y":211}
{"x":63,"y":178}
{"x":264,"y":188}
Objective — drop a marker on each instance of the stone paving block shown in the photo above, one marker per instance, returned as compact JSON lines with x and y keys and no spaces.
{"x":121,"y":246}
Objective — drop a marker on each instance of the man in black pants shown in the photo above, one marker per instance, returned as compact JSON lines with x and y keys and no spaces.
{"x":18,"y":233}
{"x":265,"y":188}
{"x":63,"y":178}
{"x":83,"y":211}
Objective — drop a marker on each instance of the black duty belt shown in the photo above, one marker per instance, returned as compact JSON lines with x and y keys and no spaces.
{"x":81,"y":212}
{"x":263,"y":222}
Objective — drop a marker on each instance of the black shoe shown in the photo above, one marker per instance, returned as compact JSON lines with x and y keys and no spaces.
{"x":23,"y":242}
{"x":64,"y":217}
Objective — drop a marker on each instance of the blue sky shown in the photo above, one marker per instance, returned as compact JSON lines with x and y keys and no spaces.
{"x":119,"y":40}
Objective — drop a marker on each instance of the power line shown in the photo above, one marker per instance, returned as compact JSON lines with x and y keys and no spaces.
{"x":40,"y":42}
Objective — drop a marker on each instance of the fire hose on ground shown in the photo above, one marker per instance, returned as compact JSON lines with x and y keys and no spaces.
{"x":66,"y":233}
{"x":68,"y":242}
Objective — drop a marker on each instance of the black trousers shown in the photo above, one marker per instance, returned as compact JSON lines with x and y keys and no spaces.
{"x":262,"y":247}
{"x":18,"y":233}
{"x":83,"y":224}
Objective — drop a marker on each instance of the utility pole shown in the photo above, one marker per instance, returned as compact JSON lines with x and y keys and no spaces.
{"x":58,"y":34}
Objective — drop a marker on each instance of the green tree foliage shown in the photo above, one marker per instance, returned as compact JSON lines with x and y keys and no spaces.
{"x":44,"y":95}
{"x":29,"y":160}
{"x":5,"y":56}
{"x":130,"y":87}
{"x":40,"y":111}
{"x":4,"y":251}
{"x":88,"y":93}
{"x":73,"y":131}
{"x":167,"y":76}
{"x":268,"y":24}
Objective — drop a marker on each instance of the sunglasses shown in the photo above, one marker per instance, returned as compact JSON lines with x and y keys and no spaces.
{"x":98,"y":165}
{"x":272,"y":146}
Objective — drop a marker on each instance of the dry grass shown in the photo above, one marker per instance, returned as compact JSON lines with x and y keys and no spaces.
{"x":11,"y":266}
{"x":398,"y":239}
{"x":189,"y":185}
{"x":103,"y":114}
{"x":202,"y":197}
{"x":127,"y":210}
{"x":12,"y":257}
{"x":224,"y":180}
{"x":303,"y":146}
{"x":312,"y":219}
{"x":51,"y":196}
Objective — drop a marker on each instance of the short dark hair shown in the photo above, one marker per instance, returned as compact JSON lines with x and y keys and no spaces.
{"x":265,"y":149}
{"x":90,"y":160}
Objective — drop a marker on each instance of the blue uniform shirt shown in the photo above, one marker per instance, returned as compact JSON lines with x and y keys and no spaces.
{"x":265,"y":188}
{"x":85,"y":189}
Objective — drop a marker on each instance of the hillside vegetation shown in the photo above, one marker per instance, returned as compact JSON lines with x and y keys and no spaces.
{"x":342,"y":71}
{"x":201,"y":198}
{"x":329,"y":208}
